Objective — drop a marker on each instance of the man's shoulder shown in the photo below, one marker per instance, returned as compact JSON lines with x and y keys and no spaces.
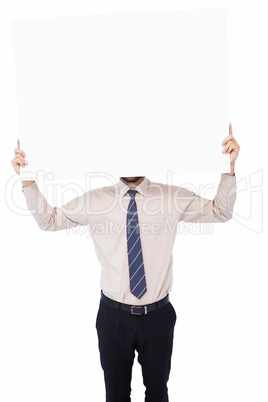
{"x":167,"y":188}
{"x":101,"y":191}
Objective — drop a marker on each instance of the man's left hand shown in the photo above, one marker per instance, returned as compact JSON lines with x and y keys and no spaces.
{"x":231,"y":146}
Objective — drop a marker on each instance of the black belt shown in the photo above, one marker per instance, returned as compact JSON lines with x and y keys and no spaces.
{"x":137,"y":310}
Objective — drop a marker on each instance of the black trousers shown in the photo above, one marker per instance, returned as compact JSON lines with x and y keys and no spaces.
{"x":151,"y":335}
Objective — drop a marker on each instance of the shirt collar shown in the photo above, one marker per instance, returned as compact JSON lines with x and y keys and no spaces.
{"x":141,"y":188}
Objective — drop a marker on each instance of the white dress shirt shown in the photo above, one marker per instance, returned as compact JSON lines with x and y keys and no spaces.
{"x":160,"y":208}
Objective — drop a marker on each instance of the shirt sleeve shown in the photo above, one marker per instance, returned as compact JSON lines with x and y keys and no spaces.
{"x":220,"y":209}
{"x":72,"y":214}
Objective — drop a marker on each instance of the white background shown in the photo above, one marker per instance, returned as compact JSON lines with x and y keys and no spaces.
{"x":49,"y":285}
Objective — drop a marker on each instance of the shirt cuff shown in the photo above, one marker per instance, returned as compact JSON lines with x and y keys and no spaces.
{"x":30,"y":190}
{"x":226,"y":178}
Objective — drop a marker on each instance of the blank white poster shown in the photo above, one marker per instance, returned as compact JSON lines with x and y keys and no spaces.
{"x":127,"y":94}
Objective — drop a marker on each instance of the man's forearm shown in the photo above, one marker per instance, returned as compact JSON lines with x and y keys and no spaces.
{"x":232,"y":167}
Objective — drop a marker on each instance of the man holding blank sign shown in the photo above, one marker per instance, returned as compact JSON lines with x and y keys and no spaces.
{"x":133,"y":229}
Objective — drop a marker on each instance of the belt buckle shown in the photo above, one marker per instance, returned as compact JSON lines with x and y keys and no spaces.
{"x":138,"y":307}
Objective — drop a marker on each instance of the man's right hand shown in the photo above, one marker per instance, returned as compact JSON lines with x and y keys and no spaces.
{"x":20,"y":161}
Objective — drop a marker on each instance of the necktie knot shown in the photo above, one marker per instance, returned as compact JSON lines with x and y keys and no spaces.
{"x":132,"y":193}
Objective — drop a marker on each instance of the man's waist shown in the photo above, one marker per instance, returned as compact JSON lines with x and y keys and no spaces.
{"x":135,"y":309}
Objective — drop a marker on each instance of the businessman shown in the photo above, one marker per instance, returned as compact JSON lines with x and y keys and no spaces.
{"x":132,"y":226}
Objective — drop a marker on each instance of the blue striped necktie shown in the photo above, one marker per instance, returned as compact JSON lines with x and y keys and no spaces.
{"x":135,"y":259}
